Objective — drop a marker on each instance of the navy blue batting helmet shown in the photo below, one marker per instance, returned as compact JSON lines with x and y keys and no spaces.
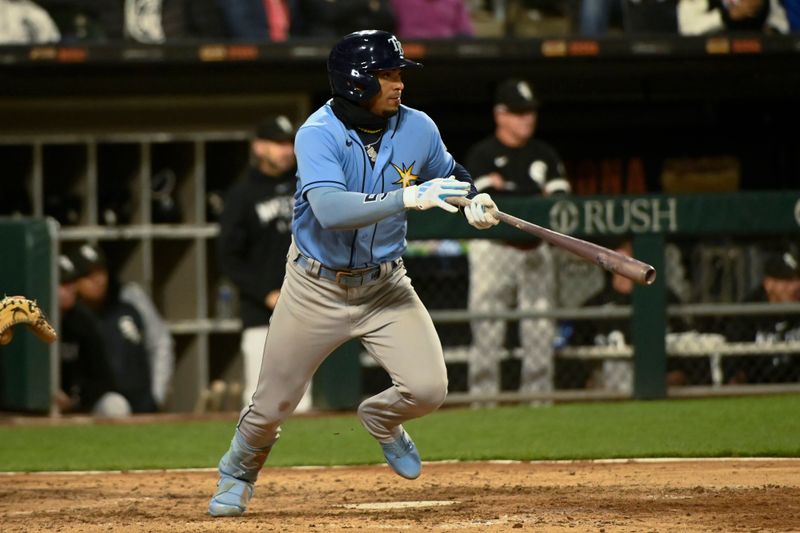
{"x":354,"y":60}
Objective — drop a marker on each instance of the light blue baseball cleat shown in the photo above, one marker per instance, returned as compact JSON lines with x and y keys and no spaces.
{"x":238,"y":470}
{"x":231,"y":498}
{"x":403,"y":457}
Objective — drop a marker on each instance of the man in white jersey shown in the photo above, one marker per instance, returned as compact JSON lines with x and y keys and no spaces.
{"x":363,"y":160}
{"x":512,"y":162}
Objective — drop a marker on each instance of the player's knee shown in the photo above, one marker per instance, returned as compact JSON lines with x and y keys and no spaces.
{"x":430,"y":393}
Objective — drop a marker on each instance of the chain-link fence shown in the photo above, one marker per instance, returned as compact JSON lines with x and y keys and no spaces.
{"x":528,"y":321}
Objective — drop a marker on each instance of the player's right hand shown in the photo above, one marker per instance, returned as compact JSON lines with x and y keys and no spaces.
{"x":433,"y":193}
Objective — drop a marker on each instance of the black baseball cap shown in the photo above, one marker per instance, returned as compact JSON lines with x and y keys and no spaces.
{"x":276,"y":128}
{"x":782,"y":265}
{"x":66,"y":270}
{"x":516,"y":95}
{"x":87,"y":259}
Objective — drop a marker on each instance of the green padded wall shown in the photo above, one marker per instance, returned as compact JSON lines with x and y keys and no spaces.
{"x":26,"y":266}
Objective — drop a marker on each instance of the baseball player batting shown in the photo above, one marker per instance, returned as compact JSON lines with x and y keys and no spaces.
{"x":363,"y":160}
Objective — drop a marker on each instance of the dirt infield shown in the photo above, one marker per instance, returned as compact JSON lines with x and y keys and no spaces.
{"x":722,"y":496}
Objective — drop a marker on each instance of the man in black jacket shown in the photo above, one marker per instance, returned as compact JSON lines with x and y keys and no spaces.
{"x":139,"y":345}
{"x":87,"y":380}
{"x":780,"y":285}
{"x":618,"y":374}
{"x":255,"y":235}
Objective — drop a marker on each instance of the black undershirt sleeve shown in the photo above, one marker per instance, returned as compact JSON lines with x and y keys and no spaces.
{"x":462,"y":174}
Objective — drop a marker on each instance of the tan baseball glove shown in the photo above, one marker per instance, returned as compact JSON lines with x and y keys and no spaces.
{"x":20,"y":310}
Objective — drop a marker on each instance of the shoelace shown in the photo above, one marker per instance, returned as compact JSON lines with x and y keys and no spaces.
{"x":400,"y":447}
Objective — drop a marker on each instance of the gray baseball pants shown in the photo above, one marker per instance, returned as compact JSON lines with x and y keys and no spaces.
{"x":314,"y":316}
{"x":525,"y":279}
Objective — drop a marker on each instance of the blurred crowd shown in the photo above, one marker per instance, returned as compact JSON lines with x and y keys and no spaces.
{"x":259,"y":21}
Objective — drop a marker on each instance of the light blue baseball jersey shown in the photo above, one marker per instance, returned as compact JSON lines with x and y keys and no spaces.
{"x":331,"y":155}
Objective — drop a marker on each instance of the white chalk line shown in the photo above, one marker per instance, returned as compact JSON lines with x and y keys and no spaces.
{"x":413,"y":504}
{"x":633,"y":460}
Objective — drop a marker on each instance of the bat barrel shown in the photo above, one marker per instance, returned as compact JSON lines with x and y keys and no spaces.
{"x":649,"y":275}
{"x":629,"y":267}
{"x":610,"y":260}
{"x":613,"y":261}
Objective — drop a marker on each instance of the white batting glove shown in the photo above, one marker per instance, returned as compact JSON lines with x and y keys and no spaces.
{"x":432,"y":193}
{"x":481,"y":213}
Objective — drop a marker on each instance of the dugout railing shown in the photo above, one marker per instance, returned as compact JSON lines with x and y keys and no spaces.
{"x":677,"y":234}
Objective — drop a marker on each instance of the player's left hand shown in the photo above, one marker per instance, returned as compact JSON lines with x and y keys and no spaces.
{"x":481,"y":213}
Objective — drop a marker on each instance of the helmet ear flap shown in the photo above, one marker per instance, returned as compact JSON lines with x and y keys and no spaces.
{"x":354,"y":85}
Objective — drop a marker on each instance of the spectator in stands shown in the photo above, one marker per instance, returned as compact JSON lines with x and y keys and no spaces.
{"x":25,"y":22}
{"x":257,"y":20}
{"x":512,"y":162}
{"x":87,"y":382}
{"x":86,"y":20}
{"x":596,"y":17}
{"x":780,"y":284}
{"x":255,"y":233}
{"x":139,"y":344}
{"x":335,"y":18}
{"x":651,"y":17}
{"x":143,"y":21}
{"x":697,"y":17}
{"x":432,"y":19}
{"x":617,"y":374}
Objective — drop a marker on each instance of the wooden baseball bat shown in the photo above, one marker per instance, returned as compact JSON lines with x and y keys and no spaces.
{"x":610,"y":260}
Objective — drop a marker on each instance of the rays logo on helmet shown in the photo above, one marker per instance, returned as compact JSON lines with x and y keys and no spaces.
{"x":396,"y":44}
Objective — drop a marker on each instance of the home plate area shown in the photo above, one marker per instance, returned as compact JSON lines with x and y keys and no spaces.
{"x":717,"y":495}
